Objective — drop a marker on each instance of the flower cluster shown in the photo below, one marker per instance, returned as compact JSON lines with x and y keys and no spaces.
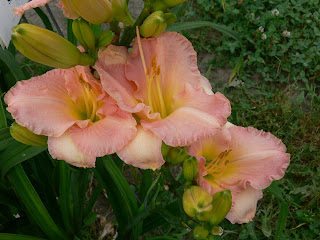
{"x":134,"y":103}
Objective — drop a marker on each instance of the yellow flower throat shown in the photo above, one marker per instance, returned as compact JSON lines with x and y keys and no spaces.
{"x":154,"y":97}
{"x":89,"y":96}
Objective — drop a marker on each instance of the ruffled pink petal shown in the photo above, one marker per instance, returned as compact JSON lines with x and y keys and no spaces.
{"x":68,"y":9}
{"x":244,"y":206}
{"x":256,"y":158}
{"x":113,"y":55}
{"x":42,"y":104}
{"x":176,"y":58}
{"x":205,"y":84}
{"x":144,"y":151}
{"x":196,"y":115}
{"x":107,"y":135}
{"x":63,"y":148}
{"x":118,"y":87}
{"x":19,"y":11}
{"x":210,"y":147}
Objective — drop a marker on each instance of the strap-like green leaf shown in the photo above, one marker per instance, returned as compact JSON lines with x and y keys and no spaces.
{"x":33,"y":204}
{"x":284,"y":209}
{"x":16,"y":153}
{"x":191,"y":25}
{"x":9,"y":236}
{"x":119,"y":193}
{"x":3,"y":120}
{"x":44,"y":18}
{"x":12,"y":64}
{"x":65,"y":202}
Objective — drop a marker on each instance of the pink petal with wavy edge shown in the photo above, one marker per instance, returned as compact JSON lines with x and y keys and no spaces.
{"x":176,"y":58}
{"x":113,"y":55}
{"x":256,"y":158}
{"x":107,"y":135}
{"x":245,"y":205}
{"x":42,"y":104}
{"x":63,"y":148}
{"x":144,"y":151}
{"x":196,"y":115}
{"x":68,"y":9}
{"x":19,"y":11}
{"x":210,"y":147}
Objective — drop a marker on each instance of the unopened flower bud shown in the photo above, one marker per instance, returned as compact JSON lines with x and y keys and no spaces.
{"x":221,"y":205}
{"x":121,"y":13}
{"x":68,"y":6}
{"x":94,"y":11}
{"x":153,"y":25}
{"x":200,"y":233}
{"x":170,"y":18}
{"x":23,"y":135}
{"x":190,"y":168}
{"x":105,"y":38}
{"x":216,"y":230}
{"x":197,"y":203}
{"x":46,"y":47}
{"x":165,"y":149}
{"x":84,"y":34}
{"x":177,"y":155}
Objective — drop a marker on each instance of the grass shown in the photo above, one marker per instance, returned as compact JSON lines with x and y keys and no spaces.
{"x":284,"y":103}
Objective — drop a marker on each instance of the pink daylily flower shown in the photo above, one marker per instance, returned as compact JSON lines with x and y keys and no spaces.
{"x":244,"y":160}
{"x":70,"y":107}
{"x":66,"y":6}
{"x":159,"y":82}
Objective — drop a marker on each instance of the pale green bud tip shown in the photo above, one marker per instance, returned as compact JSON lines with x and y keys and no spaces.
{"x":84,"y":33}
{"x":170,"y":18}
{"x":153,"y":25}
{"x":221,"y":203}
{"x":197,"y":203}
{"x":200,"y":233}
{"x":23,"y":135}
{"x":105,"y":38}
{"x":121,"y":13}
{"x":190,"y":168}
{"x":177,"y":155}
{"x":216,"y":231}
{"x":46,"y":47}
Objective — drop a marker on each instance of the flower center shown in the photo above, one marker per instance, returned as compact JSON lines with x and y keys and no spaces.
{"x":89,"y":96}
{"x":218,"y":165}
{"x":154,"y":97}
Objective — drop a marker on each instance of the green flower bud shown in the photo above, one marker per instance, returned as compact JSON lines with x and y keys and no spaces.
{"x":23,"y":135}
{"x":46,"y":47}
{"x":165,"y":149}
{"x":221,"y":204}
{"x":170,"y":18}
{"x":190,"y":168}
{"x":105,"y":38}
{"x":177,"y":155}
{"x":121,"y":13}
{"x":67,"y":4}
{"x":197,"y":203}
{"x":218,"y":231}
{"x":84,"y":34}
{"x":200,"y":233}
{"x":153,"y":25}
{"x":94,"y":11}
